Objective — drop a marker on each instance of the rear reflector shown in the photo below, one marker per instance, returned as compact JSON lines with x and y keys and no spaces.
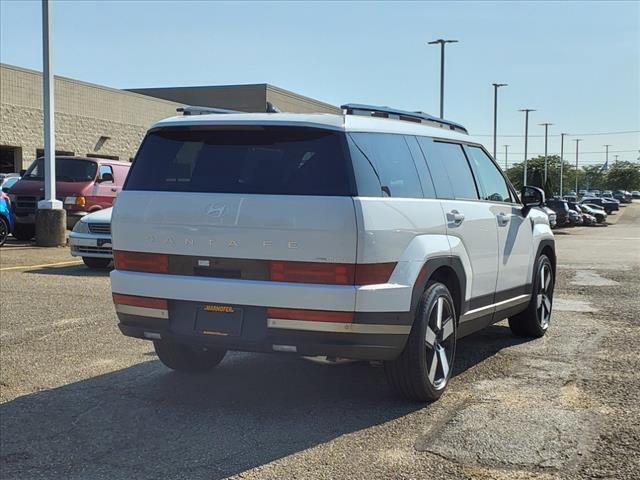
{"x":141,"y":262}
{"x":146,"y":302}
{"x":373,"y":273}
{"x":331,"y":273}
{"x":310,"y":315}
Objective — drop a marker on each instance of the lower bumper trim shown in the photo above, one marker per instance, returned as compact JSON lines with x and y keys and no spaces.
{"x":312,"y":326}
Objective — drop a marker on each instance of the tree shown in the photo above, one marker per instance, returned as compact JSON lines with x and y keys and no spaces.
{"x":535,"y":174}
{"x":624,"y":176}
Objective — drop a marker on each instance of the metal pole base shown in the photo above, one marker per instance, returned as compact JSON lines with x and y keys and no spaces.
{"x":51,"y":227}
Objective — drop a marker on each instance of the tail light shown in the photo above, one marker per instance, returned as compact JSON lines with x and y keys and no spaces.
{"x":310,"y":315}
{"x":141,"y":262}
{"x":145,"y":302}
{"x":331,"y":273}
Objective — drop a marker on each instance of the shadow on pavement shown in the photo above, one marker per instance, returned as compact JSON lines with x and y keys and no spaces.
{"x":148,"y":422}
{"x":77,"y":270}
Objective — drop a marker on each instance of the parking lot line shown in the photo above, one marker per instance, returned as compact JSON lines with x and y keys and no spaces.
{"x":43,"y":265}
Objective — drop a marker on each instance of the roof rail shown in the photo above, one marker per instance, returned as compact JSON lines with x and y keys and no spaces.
{"x":394,"y":113}
{"x":195,"y":110}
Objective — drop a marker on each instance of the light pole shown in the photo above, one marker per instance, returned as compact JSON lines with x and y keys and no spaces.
{"x":562,"y":162}
{"x":506,"y":154}
{"x":51,"y":218}
{"x":577,"y":141}
{"x":495,"y":116}
{"x":546,"y":137}
{"x":616,"y":158}
{"x":442,"y":43}
{"x":526,"y":139}
{"x":606,"y":158}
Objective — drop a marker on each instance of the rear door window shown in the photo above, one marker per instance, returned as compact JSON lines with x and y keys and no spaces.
{"x":450,"y":169}
{"x":391,"y":158}
{"x":242,"y":159}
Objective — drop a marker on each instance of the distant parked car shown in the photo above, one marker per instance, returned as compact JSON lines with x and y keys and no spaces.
{"x":622,"y":196}
{"x":551,"y":215}
{"x":84,"y":184}
{"x":608,"y":205}
{"x":570,"y":198}
{"x":6,"y":218}
{"x":635,"y":194}
{"x":607,"y":194}
{"x":562,"y":211}
{"x":91,"y":239}
{"x":582,"y":193}
{"x":575,"y":218}
{"x":596,"y":211}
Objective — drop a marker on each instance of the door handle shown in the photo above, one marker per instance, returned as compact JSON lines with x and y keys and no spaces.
{"x":455,"y":217}
{"x":503,"y":219}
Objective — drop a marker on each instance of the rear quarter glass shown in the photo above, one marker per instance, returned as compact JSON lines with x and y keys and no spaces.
{"x":244,"y":159}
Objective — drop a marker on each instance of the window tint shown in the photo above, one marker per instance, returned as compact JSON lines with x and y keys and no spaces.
{"x":365,"y":172}
{"x":448,"y":161}
{"x":421,"y":166}
{"x":251,"y":159}
{"x":492,"y":183}
{"x":67,"y":170}
{"x":393,"y":162}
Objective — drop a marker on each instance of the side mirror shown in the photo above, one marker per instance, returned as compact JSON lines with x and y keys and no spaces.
{"x":531,"y":197}
{"x":106,"y":177}
{"x":22,"y":172}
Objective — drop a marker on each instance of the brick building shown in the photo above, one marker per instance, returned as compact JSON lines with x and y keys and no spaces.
{"x":94,"y":120}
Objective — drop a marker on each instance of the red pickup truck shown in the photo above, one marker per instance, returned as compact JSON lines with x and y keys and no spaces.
{"x":83,"y":185}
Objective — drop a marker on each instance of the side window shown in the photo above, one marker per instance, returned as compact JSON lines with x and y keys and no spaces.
{"x":106,"y":169}
{"x":393,"y":163}
{"x":447,"y":160}
{"x":493,"y":185}
{"x":421,"y":166}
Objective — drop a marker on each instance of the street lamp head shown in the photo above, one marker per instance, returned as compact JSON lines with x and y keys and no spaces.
{"x":500,"y":85}
{"x":442,"y":41}
{"x":526,"y":110}
{"x":545,"y":124}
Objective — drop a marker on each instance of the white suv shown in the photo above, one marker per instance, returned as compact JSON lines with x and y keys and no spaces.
{"x":378,"y":234}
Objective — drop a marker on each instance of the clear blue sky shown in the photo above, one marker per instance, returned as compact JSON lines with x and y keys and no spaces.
{"x":576,"y":63}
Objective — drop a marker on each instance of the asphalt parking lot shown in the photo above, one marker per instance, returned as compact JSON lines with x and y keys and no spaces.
{"x":81,"y":401}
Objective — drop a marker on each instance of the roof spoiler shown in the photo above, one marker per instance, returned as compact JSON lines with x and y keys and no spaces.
{"x":195,"y":110}
{"x":394,"y":113}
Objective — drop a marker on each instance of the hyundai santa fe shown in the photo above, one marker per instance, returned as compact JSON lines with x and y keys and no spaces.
{"x":377,"y":234}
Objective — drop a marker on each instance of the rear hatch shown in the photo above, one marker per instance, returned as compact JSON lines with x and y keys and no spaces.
{"x":213,"y":197}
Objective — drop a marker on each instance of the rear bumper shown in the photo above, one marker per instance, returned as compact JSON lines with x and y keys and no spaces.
{"x":257,"y":333}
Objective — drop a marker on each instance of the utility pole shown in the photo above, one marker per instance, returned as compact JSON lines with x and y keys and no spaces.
{"x":562,"y":162}
{"x":495,"y":116}
{"x":506,"y":154}
{"x":51,"y":218}
{"x":526,"y":139}
{"x":616,"y":158}
{"x":442,"y":43}
{"x":606,"y":158}
{"x":546,"y":137}
{"x":577,"y":141}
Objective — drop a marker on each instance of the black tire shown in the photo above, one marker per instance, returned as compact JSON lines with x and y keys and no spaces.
{"x":24,"y":232}
{"x":96,"y":263}
{"x":534,"y":321}
{"x":185,"y":358}
{"x":424,"y":367}
{"x":4,"y":230}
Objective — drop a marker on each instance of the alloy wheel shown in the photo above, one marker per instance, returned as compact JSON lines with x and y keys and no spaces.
{"x":440,"y":342}
{"x":544,"y":296}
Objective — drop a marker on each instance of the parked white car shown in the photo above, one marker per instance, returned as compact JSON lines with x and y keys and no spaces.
{"x":91,"y":239}
{"x":377,"y":234}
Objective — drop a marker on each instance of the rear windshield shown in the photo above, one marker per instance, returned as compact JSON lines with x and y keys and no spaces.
{"x":67,"y":170}
{"x":251,"y":159}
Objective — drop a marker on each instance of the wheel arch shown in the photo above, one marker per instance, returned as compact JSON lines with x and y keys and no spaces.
{"x":447,"y":270}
